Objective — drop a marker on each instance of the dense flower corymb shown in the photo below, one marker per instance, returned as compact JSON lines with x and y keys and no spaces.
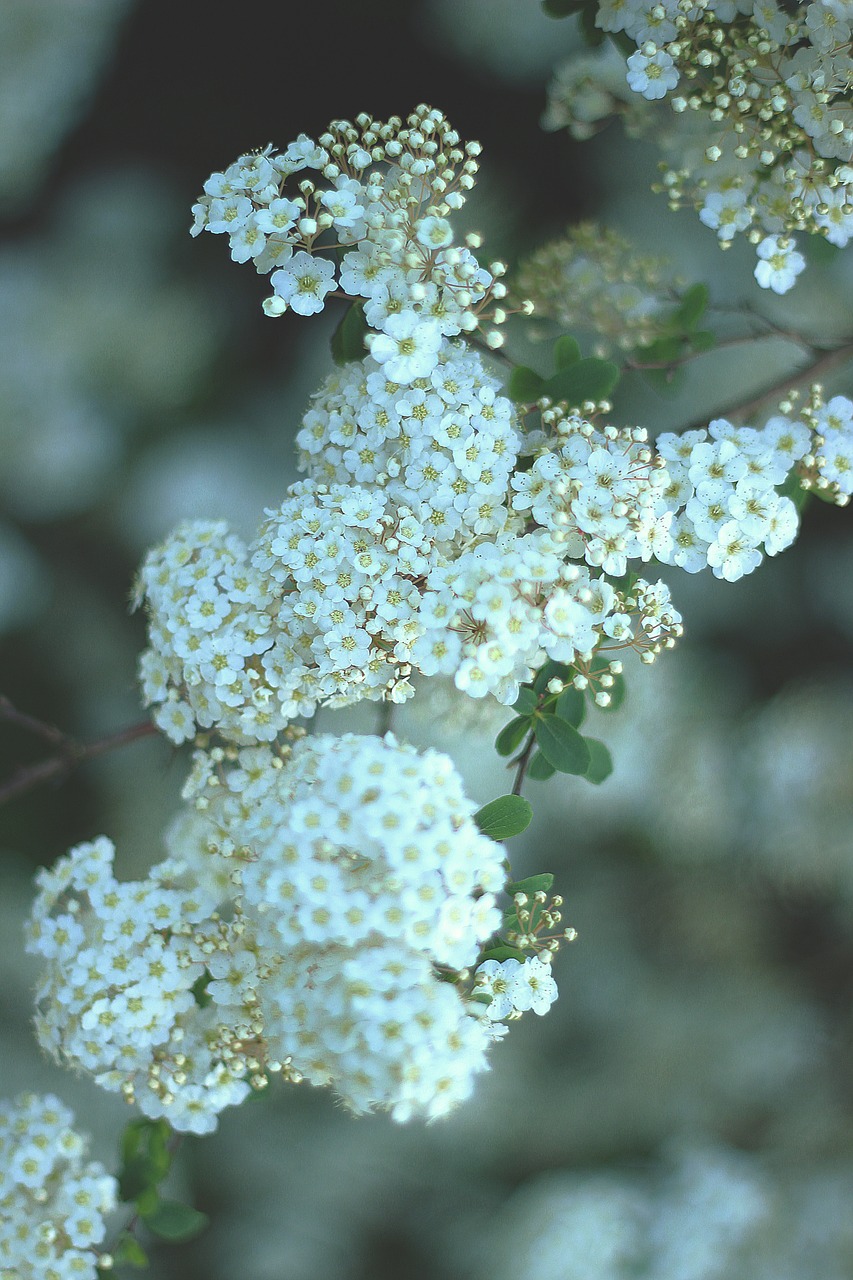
{"x":53,"y":1201}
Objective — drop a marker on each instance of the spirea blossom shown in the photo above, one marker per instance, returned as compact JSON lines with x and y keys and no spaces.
{"x":361,"y":878}
{"x":724,"y":492}
{"x":116,"y":998}
{"x":764,"y":139}
{"x":53,"y":1201}
{"x":383,"y":192}
{"x":317,"y":918}
{"x":444,"y":446}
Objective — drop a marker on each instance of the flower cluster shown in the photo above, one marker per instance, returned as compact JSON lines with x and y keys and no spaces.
{"x":724,"y":492}
{"x":429,"y":550}
{"x":117,"y":997}
{"x":52,"y":1200}
{"x":382,"y":192}
{"x":768,"y":86}
{"x":444,"y":446}
{"x":516,"y":986}
{"x":317,"y":916}
{"x":828,"y":467}
{"x":592,"y":278}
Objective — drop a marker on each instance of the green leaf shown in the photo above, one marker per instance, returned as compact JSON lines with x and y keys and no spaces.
{"x":542,"y":883}
{"x":525,"y":385}
{"x":129,"y":1252}
{"x":600,"y":762}
{"x":170,"y":1220}
{"x":791,"y":488}
{"x":661,"y":351}
{"x":561,"y":744}
{"x":502,"y":952}
{"x":589,"y":379}
{"x":570,"y":706}
{"x":348,"y":338}
{"x":694,"y":302}
{"x":592,"y":34}
{"x":145,"y":1157}
{"x":562,"y":8}
{"x":199,"y":990}
{"x":566,"y":352}
{"x":512,"y":735}
{"x":505,"y":817}
{"x":552,"y":671}
{"x":702,"y":340}
{"x":539,"y":769}
{"x":526,"y":702}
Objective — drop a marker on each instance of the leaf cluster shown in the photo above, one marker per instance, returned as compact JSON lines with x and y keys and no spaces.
{"x":146,"y":1159}
{"x":575,"y":379}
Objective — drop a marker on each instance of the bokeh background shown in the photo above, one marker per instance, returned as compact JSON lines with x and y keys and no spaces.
{"x":685,"y":1112}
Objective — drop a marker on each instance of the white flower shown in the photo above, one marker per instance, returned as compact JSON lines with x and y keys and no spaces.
{"x":779,"y":264}
{"x":652,"y":75}
{"x":303,"y":283}
{"x":408,"y":348}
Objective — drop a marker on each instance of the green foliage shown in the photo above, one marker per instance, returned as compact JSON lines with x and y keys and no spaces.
{"x":174,"y":1222}
{"x":512,"y":735}
{"x":502,"y":952}
{"x":505,"y":817}
{"x":561,"y":744}
{"x":532,"y":884}
{"x":539,"y":769}
{"x":694,"y":303}
{"x":587,"y":379}
{"x":129,"y":1252}
{"x":348,"y":339}
{"x":145,"y":1162}
{"x":552,"y":671}
{"x":570,"y":706}
{"x":576,"y":379}
{"x":525,"y":385}
{"x":145,"y":1157}
{"x":566,"y":352}
{"x":600,"y":762}
{"x":562,"y":8}
{"x":526,"y":702}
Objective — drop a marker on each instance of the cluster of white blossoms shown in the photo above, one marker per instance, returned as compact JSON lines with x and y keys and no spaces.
{"x":514,"y":986}
{"x":828,"y":467}
{"x":317,"y":917}
{"x":723,"y":489}
{"x":419,"y":547}
{"x":770,"y":145}
{"x":53,"y":1200}
{"x":383,"y":192}
{"x":443,"y":446}
{"x":116,"y":998}
{"x":593,"y":279}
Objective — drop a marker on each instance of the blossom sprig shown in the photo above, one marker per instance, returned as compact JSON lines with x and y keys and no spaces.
{"x":765,"y":136}
{"x":317,"y":918}
{"x":594,"y":278}
{"x":53,"y":1201}
{"x":371,"y":223}
{"x":827,"y":468}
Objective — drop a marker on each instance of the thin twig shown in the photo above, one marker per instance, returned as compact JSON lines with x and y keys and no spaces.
{"x":72,"y":753}
{"x":777,"y":390}
{"x":523,"y":762}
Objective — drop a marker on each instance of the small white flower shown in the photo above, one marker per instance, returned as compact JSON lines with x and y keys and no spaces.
{"x":779,"y":264}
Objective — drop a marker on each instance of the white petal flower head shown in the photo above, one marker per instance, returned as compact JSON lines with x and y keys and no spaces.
{"x":408,"y":348}
{"x":653,"y":76}
{"x":303,"y":282}
{"x":52,"y":1200}
{"x":779,"y":264}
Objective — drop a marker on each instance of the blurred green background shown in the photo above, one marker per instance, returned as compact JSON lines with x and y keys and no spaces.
{"x":684,"y":1112}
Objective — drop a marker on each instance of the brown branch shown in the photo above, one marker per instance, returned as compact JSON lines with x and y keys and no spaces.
{"x":825,"y":363}
{"x":71,"y":753}
{"x":523,"y":762}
